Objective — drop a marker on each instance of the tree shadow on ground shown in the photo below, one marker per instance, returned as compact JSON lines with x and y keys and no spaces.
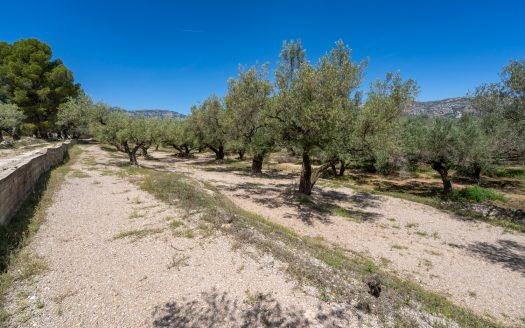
{"x":216,"y":309}
{"x":507,"y":253}
{"x":278,"y":194}
{"x":308,"y":209}
{"x":417,"y":188}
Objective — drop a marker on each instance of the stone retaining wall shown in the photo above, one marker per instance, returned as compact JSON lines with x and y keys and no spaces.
{"x":17,"y":182}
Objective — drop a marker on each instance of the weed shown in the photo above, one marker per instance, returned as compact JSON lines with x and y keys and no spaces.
{"x":371,"y":266}
{"x":400,"y":247}
{"x":90,"y":161}
{"x":174,"y":224}
{"x":40,"y":304}
{"x":511,"y":172}
{"x":60,"y":298}
{"x":385,"y":261}
{"x":432,"y":252}
{"x":178,"y":261}
{"x":477,"y":194}
{"x":107,"y":172}
{"x":185,"y":233}
{"x":108,"y":148}
{"x":138,"y":233}
{"x":426,"y":263}
{"x":136,"y":200}
{"x":205,"y":229}
{"x":79,"y":174}
{"x":411,"y":225}
{"x":135,"y":215}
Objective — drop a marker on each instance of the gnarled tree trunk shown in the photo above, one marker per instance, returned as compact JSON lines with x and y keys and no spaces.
{"x":184,"y":150}
{"x":133,"y":159}
{"x":309,"y":176}
{"x":477,"y":174}
{"x":334,"y":169}
{"x":257,"y":163}
{"x":342,"y":168}
{"x":443,"y":172}
{"x":132,"y":153}
{"x":241,"y":154}
{"x":219,"y":152}
{"x":144,"y":149}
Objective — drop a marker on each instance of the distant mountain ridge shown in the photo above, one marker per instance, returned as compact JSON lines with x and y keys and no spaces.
{"x":450,"y":107}
{"x":161,"y":113}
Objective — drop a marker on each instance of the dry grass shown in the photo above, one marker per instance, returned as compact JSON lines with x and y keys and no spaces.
{"x":138,"y":233}
{"x":178,"y":261}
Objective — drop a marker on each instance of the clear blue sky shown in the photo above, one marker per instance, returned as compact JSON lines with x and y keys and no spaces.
{"x":171,"y":54}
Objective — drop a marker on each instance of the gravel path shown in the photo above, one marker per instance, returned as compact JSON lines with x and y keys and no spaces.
{"x":477,"y":265}
{"x":99,"y":278}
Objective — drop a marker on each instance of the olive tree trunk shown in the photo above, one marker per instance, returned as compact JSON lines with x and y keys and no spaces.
{"x":342,"y":168}
{"x":334,"y":169}
{"x":241,"y":154}
{"x":219,"y":152}
{"x":310,"y":176}
{"x":443,"y":172}
{"x":257,"y":163}
{"x":132,"y":153}
{"x":477,"y":174}
{"x":145,"y":148}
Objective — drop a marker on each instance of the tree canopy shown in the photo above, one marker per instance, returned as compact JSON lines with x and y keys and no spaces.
{"x":313,"y":108}
{"x":501,"y":107}
{"x":247,"y":103}
{"x":10,"y":120}
{"x":36,"y":83}
{"x":207,"y":122}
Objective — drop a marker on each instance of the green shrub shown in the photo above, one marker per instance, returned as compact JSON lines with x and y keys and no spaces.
{"x":510,"y":172}
{"x":477,"y":194}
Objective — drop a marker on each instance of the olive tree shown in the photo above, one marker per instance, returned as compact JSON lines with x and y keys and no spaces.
{"x":501,"y":107}
{"x":475,"y":147}
{"x":313,"y":107}
{"x":207,"y":122}
{"x":376,"y":143}
{"x":73,"y":118}
{"x":179,"y":135}
{"x":127,"y":133}
{"x":433,"y":141}
{"x":247,"y":102}
{"x":10,"y":120}
{"x":154,"y":128}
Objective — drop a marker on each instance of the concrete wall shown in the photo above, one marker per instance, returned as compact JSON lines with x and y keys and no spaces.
{"x":17,"y":181}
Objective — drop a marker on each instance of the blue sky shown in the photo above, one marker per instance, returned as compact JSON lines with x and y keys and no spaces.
{"x":172,"y":54}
